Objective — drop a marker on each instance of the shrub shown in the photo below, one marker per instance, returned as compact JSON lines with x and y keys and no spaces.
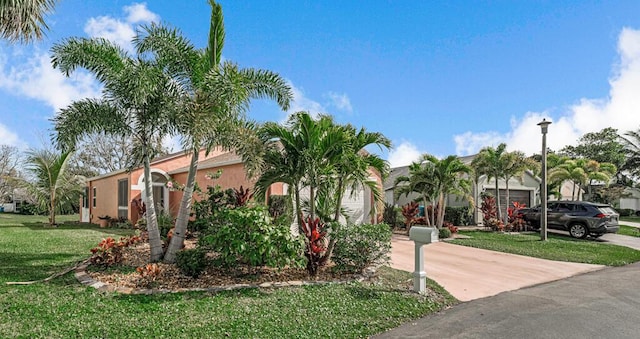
{"x":360,"y":246}
{"x":390,"y":215}
{"x":149,"y":274}
{"x":246,"y":235}
{"x":191,"y":262}
{"x":488,"y":208}
{"x":109,"y":252}
{"x":281,"y":208}
{"x":444,"y":233}
{"x":165,"y":223}
{"x":625,"y":212}
{"x":409,"y":212}
{"x":460,"y":216}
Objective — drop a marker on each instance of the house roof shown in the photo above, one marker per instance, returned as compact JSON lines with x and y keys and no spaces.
{"x":217,"y":161}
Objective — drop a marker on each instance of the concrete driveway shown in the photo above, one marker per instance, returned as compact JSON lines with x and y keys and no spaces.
{"x":470,"y":273}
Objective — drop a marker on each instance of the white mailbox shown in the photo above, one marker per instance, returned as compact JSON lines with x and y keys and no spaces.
{"x":421,"y":236}
{"x":425,"y":235}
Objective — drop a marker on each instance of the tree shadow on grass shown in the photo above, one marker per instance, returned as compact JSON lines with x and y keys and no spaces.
{"x":33,"y":266}
{"x":77,"y":226}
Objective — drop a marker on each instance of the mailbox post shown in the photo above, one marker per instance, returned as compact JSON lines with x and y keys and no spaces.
{"x":421,"y":236}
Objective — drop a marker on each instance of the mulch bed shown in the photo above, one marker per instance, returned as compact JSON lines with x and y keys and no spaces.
{"x":171,"y":278}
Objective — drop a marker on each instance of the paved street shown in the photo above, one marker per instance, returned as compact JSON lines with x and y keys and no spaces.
{"x":600,"y":304}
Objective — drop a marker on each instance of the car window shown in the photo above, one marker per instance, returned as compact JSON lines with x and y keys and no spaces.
{"x":607,"y":210}
{"x":563,"y":207}
{"x":579,"y":208}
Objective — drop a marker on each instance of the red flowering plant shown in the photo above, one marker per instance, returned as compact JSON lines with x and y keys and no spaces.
{"x":109,"y":251}
{"x":516,"y":222}
{"x":314,"y":232}
{"x":409,"y":212}
{"x":149,"y":274}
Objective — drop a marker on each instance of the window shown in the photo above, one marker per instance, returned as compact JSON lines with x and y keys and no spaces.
{"x":123,"y":198}
{"x":94,"y":197}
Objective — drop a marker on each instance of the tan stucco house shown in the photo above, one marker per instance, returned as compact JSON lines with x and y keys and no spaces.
{"x":115,"y":194}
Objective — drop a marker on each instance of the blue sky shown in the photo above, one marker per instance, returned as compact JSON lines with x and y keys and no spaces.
{"x":440,"y":78}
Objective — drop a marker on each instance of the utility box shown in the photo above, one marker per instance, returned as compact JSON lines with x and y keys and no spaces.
{"x":423,"y":235}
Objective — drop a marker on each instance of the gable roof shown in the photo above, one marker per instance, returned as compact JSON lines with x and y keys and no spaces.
{"x":225,"y":159}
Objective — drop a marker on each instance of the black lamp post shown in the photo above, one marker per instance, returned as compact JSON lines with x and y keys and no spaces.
{"x":544,"y":124}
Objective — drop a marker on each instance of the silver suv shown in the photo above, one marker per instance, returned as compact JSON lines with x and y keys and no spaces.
{"x":580,"y":218}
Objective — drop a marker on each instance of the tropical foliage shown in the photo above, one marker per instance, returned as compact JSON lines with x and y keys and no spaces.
{"x":53,"y":187}
{"x":23,"y":20}
{"x":217,"y":94}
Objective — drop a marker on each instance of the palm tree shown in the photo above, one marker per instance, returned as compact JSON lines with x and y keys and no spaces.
{"x":516,"y":163}
{"x":490,"y":162}
{"x":302,"y":154}
{"x":631,"y":143}
{"x":23,"y":20}
{"x":138,"y":101}
{"x":448,"y":180}
{"x":219,"y":95}
{"x":54,"y":188}
{"x":582,"y":172}
{"x":420,"y":182}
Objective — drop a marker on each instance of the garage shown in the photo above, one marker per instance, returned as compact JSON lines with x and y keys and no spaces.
{"x":520,"y":196}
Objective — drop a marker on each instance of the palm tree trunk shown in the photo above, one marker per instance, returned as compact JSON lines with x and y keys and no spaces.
{"x":426,"y":211}
{"x":177,"y":241}
{"x":299,"y":216}
{"x":506,"y":210}
{"x":340,"y":194}
{"x":498,"y":199}
{"x":155,"y":242}
{"x":573,"y":192}
{"x":336,"y":224}
{"x":312,"y":202}
{"x":442,"y":210}
{"x":52,"y":209}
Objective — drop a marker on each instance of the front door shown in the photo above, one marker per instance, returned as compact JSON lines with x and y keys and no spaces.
{"x":84,"y":213}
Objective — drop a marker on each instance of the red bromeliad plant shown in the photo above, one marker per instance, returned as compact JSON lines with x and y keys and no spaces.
{"x":315,"y":242}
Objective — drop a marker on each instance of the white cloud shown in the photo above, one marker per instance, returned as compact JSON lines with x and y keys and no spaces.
{"x":138,"y":12}
{"x":302,"y":103}
{"x":403,"y":155}
{"x":339,"y":101}
{"x":7,"y":137}
{"x":36,"y":79}
{"x":618,"y":110}
{"x":120,"y":31}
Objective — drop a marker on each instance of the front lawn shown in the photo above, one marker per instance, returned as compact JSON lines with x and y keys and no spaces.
{"x":631,"y":218}
{"x":630,"y":231}
{"x":63,"y":308}
{"x":557,"y":247}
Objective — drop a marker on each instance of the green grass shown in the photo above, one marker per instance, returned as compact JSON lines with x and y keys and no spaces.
{"x":557,"y":247}
{"x":63,"y":308}
{"x":630,"y":231}
{"x":630,"y":218}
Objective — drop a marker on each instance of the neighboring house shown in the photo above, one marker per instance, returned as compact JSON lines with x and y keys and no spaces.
{"x":631,"y":199}
{"x":526,"y":191}
{"x":115,"y":194}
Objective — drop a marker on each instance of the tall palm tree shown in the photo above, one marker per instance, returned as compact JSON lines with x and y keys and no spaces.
{"x":23,"y":20}
{"x":138,"y":101}
{"x":491,"y":162}
{"x":516,"y":163}
{"x":54,"y":188}
{"x":218,"y":97}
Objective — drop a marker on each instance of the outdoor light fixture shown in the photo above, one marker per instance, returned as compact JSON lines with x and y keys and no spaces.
{"x":544,"y":124}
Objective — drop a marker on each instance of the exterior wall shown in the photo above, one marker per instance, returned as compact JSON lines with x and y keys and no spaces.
{"x":106,"y":196}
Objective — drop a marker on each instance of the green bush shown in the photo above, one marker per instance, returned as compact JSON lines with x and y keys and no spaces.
{"x":165,"y":223}
{"x":459,"y":216}
{"x":444,"y":233}
{"x":247,"y":235}
{"x":390,"y":215}
{"x":191,"y":262}
{"x":625,"y":212}
{"x":359,"y":246}
{"x":281,"y":208}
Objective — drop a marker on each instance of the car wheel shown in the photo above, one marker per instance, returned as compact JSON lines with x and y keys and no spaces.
{"x":578,"y":231}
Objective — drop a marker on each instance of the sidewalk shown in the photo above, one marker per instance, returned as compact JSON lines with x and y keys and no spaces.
{"x":470,"y":273}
